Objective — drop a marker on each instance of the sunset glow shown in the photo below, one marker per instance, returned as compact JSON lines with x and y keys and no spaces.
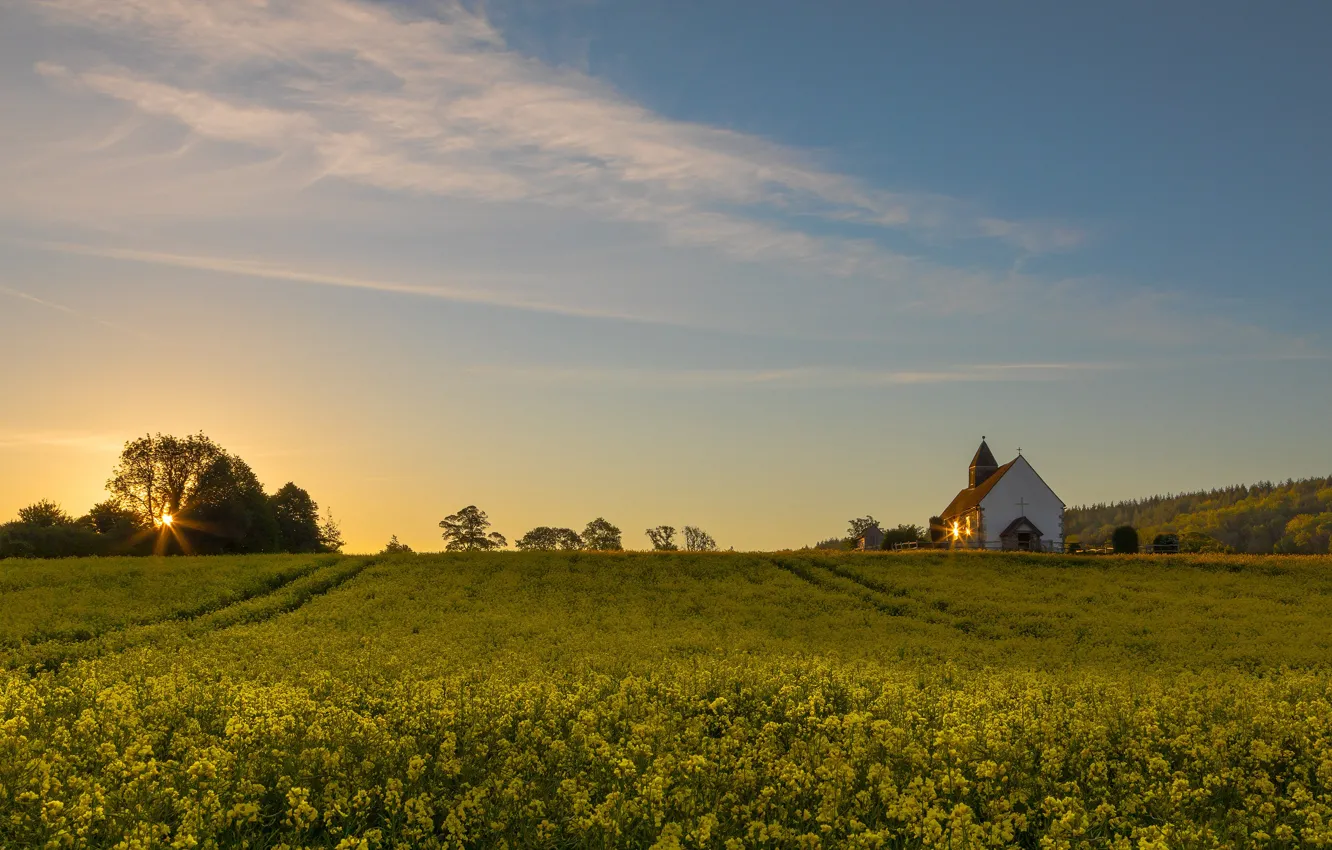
{"x":508,"y":255}
{"x":529,"y":424}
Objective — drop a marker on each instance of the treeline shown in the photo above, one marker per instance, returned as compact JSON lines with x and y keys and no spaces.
{"x":173,"y":495}
{"x":1294,"y":517}
{"x":870,"y":528}
{"x":468,"y":530}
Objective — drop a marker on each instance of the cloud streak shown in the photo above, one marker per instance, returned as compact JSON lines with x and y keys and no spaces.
{"x":808,"y":378}
{"x":269,"y":271}
{"x":69,"y":311}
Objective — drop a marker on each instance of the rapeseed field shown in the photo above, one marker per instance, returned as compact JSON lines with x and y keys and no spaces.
{"x":669,"y":700}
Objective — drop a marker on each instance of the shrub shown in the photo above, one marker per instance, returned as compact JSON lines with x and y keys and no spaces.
{"x":1125,"y":540}
{"x":18,"y":540}
{"x":1165,"y":542}
{"x":1195,"y":542}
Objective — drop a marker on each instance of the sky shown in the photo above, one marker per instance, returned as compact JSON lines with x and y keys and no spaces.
{"x":755,"y":267}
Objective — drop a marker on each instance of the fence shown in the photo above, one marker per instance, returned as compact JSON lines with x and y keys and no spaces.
{"x":1107,"y":549}
{"x":1056,"y":547}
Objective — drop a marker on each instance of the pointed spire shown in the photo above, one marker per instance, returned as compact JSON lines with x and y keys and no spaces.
{"x":983,"y":465}
{"x":984,"y":457}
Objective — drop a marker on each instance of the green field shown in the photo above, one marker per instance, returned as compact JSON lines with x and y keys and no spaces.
{"x":669,"y":700}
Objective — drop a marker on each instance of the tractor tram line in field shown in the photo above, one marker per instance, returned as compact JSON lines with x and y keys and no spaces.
{"x":838,"y":581}
{"x":887,"y":599}
{"x":901,"y":603}
{"x":294,"y":591}
{"x":274,"y":584}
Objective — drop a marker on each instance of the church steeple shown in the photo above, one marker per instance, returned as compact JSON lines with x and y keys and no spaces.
{"x":983,"y":465}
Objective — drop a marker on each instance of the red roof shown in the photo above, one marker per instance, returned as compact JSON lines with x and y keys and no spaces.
{"x":972,"y":496}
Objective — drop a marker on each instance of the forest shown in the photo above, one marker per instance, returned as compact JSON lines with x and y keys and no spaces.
{"x":1294,"y":517}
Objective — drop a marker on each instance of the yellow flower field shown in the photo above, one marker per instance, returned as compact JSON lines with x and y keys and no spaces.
{"x":721,"y":700}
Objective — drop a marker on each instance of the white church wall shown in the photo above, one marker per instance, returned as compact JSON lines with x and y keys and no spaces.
{"x":1042,"y":506}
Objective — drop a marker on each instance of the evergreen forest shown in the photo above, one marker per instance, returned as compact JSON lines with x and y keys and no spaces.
{"x":1294,"y":517}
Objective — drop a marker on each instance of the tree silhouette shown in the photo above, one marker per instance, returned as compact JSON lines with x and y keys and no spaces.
{"x":229,"y":512}
{"x":663,"y":538}
{"x":545,"y":538}
{"x":159,"y":475}
{"x":297,"y":519}
{"x":601,"y":536}
{"x":44,"y":514}
{"x":330,"y":533}
{"x":396,"y":548}
{"x":110,"y":518}
{"x":465,"y":531}
{"x":698,"y":540}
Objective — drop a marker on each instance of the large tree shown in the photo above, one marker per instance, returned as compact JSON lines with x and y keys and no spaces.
{"x":663,"y":538}
{"x":465,"y":531}
{"x":297,"y":518}
{"x":158,"y":476}
{"x":543,"y":537}
{"x":601,"y":536}
{"x":229,"y":512}
{"x":698,"y":540}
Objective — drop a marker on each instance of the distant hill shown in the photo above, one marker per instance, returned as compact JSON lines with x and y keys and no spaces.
{"x":1294,"y":517}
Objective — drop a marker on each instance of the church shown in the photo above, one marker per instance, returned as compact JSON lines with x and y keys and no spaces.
{"x":1003,"y":507}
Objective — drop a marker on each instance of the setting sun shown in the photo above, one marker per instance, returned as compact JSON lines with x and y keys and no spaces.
{"x":166,"y":519}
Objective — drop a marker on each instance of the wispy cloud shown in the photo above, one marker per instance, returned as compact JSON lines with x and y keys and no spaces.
{"x":440,"y":106}
{"x":69,"y":311}
{"x":792,"y":378}
{"x":269,"y":271}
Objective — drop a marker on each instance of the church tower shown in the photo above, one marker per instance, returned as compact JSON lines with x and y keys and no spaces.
{"x":983,"y":465}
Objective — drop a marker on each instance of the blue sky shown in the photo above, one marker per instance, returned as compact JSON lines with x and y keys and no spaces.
{"x":759,"y":267}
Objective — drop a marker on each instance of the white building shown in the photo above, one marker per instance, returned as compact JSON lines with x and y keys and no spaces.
{"x":1004,"y":507}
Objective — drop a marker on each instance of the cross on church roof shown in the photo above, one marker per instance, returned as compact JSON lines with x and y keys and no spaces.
{"x":1022,"y":505}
